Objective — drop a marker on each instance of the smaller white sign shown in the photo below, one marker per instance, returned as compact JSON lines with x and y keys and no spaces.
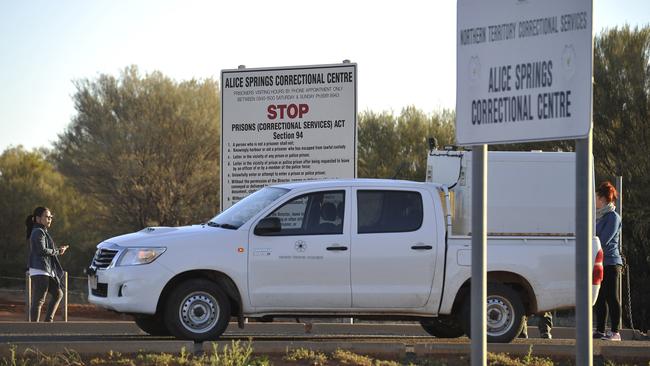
{"x":524,"y":70}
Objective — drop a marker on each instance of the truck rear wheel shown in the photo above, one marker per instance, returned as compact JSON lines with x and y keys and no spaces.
{"x":505,"y":312}
{"x":442,"y":327}
{"x":197,"y":310}
{"x":152,"y":325}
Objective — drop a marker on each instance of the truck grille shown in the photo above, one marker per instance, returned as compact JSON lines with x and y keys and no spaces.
{"x":104,"y":257}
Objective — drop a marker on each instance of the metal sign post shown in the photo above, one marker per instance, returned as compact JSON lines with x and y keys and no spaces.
{"x":524,"y":73}
{"x":479,"y":255}
{"x":619,"y":211}
{"x":584,"y":234}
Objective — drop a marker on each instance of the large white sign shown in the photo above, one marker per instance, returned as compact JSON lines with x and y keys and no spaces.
{"x":285,"y":125}
{"x":524,"y":70}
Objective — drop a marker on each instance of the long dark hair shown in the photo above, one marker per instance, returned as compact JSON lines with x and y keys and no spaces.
{"x":31,"y":219}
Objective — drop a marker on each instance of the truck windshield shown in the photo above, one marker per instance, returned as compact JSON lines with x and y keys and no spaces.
{"x":242,"y":211}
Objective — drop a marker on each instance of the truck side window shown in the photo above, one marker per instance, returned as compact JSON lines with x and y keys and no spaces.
{"x":382,"y":211}
{"x":311,"y":214}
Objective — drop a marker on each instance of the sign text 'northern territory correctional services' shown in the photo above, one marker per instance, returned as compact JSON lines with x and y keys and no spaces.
{"x":524,"y":70}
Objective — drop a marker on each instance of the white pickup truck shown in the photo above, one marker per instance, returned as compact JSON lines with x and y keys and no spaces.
{"x":362,"y":248}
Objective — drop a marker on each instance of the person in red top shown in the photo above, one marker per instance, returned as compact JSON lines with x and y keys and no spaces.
{"x":608,"y":229}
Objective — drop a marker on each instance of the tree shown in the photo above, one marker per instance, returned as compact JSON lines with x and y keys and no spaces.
{"x":622,"y":146}
{"x":28,"y":180}
{"x":145,"y":149}
{"x":377,"y":149}
{"x":396,"y":147}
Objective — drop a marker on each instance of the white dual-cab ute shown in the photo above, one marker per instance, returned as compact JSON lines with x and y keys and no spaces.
{"x":362,"y":248}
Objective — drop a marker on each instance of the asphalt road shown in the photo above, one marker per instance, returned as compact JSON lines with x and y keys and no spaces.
{"x":274,"y":338}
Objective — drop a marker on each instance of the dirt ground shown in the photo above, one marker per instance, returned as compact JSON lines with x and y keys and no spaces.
{"x":12,"y":310}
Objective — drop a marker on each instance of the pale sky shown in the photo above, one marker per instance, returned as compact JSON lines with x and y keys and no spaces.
{"x":405,"y":50}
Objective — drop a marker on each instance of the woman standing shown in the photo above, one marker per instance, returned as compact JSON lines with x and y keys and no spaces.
{"x":608,"y":228}
{"x":44,"y":267}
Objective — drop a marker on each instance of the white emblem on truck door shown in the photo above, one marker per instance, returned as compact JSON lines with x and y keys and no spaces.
{"x":300,"y":246}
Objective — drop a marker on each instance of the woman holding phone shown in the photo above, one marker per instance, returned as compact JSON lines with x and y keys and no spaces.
{"x":45,"y":269}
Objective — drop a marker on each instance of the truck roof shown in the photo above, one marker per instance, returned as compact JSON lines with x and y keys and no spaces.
{"x":365,"y":182}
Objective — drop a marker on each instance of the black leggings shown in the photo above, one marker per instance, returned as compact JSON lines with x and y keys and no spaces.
{"x":41,"y":286}
{"x":608,"y":299}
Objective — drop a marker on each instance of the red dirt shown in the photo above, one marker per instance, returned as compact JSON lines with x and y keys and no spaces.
{"x":15,"y":311}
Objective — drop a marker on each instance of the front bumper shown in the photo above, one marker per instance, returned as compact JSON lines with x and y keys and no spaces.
{"x":128,"y":289}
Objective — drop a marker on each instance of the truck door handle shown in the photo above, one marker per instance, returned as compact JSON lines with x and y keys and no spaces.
{"x":337,"y":248}
{"x":422,"y":247}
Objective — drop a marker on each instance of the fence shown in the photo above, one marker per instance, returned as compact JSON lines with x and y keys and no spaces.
{"x":28,"y":297}
{"x":22,"y":289}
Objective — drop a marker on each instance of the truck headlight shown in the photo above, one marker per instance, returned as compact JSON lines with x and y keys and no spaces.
{"x":137,"y":256}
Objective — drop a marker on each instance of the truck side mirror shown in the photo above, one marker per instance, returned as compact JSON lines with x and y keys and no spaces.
{"x":268,"y":225}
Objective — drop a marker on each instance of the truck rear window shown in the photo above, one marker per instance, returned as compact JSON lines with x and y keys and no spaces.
{"x":383,"y":211}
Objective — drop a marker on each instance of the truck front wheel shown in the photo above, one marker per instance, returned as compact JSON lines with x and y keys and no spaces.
{"x":197,"y":310}
{"x":505,"y":312}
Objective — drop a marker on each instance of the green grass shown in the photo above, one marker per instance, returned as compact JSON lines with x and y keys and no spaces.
{"x":314,"y":358}
{"x":241,"y":354}
{"x":234,"y":354}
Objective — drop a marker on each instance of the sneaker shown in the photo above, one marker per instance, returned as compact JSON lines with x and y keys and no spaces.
{"x":598,"y":335}
{"x":546,"y":336}
{"x":612,"y":336}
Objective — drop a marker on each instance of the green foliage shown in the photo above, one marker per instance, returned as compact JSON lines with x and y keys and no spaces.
{"x":145,"y":149}
{"x":503,"y":359}
{"x":344,"y":357}
{"x":28,"y":180}
{"x":235,"y":355}
{"x":351,"y":358}
{"x":262,"y":360}
{"x":36,"y":357}
{"x":396,"y":147}
{"x":622,"y":144}
{"x":230,"y":355}
{"x":303,"y":354}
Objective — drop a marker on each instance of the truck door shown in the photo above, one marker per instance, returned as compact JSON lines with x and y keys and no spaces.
{"x":304,"y":262}
{"x":393,"y":248}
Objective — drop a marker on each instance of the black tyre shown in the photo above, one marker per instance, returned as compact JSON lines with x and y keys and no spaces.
{"x":197,"y":310}
{"x":152,"y":324}
{"x":443,"y":327}
{"x":505,"y":313}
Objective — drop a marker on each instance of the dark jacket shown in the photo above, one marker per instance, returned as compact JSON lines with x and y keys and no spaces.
{"x":608,"y":229}
{"x":43,"y":253}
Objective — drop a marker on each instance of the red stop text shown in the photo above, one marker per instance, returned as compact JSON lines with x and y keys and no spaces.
{"x":286,"y":111}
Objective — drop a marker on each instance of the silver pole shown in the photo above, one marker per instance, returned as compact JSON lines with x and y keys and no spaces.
{"x":65,"y":297}
{"x":619,"y":201}
{"x":479,"y":257}
{"x":619,"y":210}
{"x":583,"y":256}
{"x":28,"y":297}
